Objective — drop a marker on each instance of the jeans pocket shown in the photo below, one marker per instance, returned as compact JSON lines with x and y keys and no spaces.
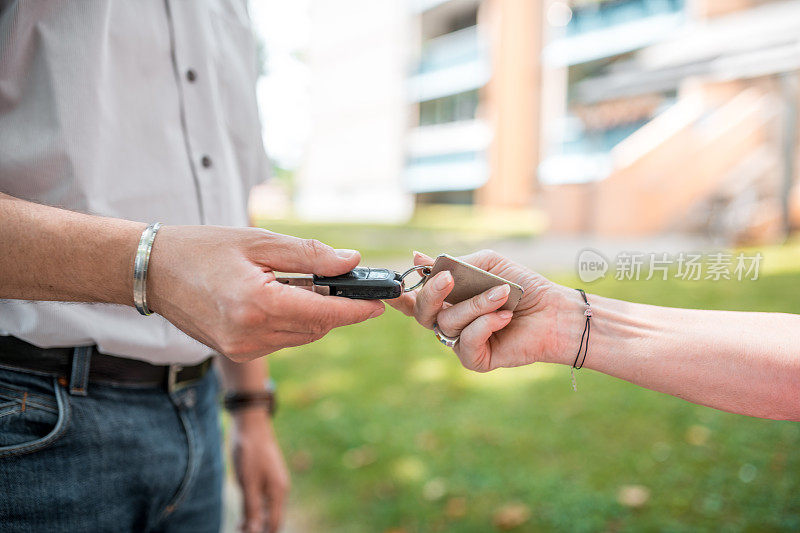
{"x":31,"y":418}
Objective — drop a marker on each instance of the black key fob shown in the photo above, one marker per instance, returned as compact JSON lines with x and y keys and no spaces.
{"x":364,"y":283}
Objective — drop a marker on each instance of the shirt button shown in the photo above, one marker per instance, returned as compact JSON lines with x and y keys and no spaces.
{"x":206,"y":161}
{"x":191,"y":75}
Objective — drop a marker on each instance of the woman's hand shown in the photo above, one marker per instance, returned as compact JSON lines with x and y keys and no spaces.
{"x":543,"y":325}
{"x":736,"y":361}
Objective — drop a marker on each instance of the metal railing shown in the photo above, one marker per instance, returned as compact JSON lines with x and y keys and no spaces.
{"x":600,"y":15}
{"x":454,"y":48}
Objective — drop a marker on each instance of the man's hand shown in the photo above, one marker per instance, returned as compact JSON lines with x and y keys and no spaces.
{"x":260,"y":470}
{"x":537,"y":330}
{"x":218,"y":285}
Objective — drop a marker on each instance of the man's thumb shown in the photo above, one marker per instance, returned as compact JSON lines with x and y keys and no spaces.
{"x":329,"y":261}
{"x":310,"y":256}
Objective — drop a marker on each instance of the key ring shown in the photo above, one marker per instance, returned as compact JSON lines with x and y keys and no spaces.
{"x":424,"y":271}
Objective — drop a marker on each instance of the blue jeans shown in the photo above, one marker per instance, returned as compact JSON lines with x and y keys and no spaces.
{"x":117,"y":459}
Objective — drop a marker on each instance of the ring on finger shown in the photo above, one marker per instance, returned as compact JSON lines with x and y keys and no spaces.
{"x":444,"y":339}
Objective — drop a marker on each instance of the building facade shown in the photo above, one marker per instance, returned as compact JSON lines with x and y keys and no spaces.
{"x":358,"y":59}
{"x":423,"y":101}
{"x":475,"y":101}
{"x":615,"y":117}
{"x":681,"y":116}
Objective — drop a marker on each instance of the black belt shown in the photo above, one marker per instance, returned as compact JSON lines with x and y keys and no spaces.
{"x":103,"y":368}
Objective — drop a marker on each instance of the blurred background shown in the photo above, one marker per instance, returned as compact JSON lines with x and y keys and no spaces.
{"x":536,"y":128}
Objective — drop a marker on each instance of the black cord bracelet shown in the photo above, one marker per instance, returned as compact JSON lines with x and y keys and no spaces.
{"x":584,"y":345}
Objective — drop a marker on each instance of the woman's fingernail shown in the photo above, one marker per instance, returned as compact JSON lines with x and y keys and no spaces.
{"x":443,"y":280}
{"x":501,"y":291}
{"x":505,"y":314}
{"x":416,"y":252}
{"x":378,"y":312}
{"x":345,"y":253}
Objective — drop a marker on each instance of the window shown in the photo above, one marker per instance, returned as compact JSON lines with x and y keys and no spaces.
{"x":452,"y":108}
{"x":446,"y":197}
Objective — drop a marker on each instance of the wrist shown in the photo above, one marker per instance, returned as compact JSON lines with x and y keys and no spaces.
{"x":261,"y":400}
{"x":124,"y":240}
{"x":158,"y":272}
{"x":252,"y":418}
{"x":141,"y":264}
{"x":116,"y":243}
{"x":569,"y":322}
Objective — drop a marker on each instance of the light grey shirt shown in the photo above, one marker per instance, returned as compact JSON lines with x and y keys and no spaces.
{"x":143,"y":110}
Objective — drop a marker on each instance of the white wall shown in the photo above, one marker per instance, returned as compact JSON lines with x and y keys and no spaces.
{"x":358,"y":58}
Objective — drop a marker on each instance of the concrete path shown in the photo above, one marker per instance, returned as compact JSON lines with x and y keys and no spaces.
{"x":558,"y":255}
{"x":551,"y":254}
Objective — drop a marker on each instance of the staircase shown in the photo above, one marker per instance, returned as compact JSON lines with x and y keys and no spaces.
{"x":696,"y":167}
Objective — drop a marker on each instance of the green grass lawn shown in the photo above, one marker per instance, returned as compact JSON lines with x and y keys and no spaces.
{"x":455,"y":228}
{"x":384,"y":431}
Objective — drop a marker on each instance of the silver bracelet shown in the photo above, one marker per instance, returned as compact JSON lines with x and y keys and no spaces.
{"x":140,"y":264}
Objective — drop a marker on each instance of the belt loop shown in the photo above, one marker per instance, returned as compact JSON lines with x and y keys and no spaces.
{"x":79,"y":377}
{"x":172,"y":377}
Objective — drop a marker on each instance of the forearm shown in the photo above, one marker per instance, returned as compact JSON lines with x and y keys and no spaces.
{"x":244,"y":377}
{"x":54,"y":254}
{"x":256,"y":454}
{"x":747,"y":363}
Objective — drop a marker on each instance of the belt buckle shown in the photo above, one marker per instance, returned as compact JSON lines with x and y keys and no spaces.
{"x":172,"y":378}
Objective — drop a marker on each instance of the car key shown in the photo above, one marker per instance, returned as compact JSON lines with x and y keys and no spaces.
{"x":364,"y":283}
{"x":361,"y":283}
